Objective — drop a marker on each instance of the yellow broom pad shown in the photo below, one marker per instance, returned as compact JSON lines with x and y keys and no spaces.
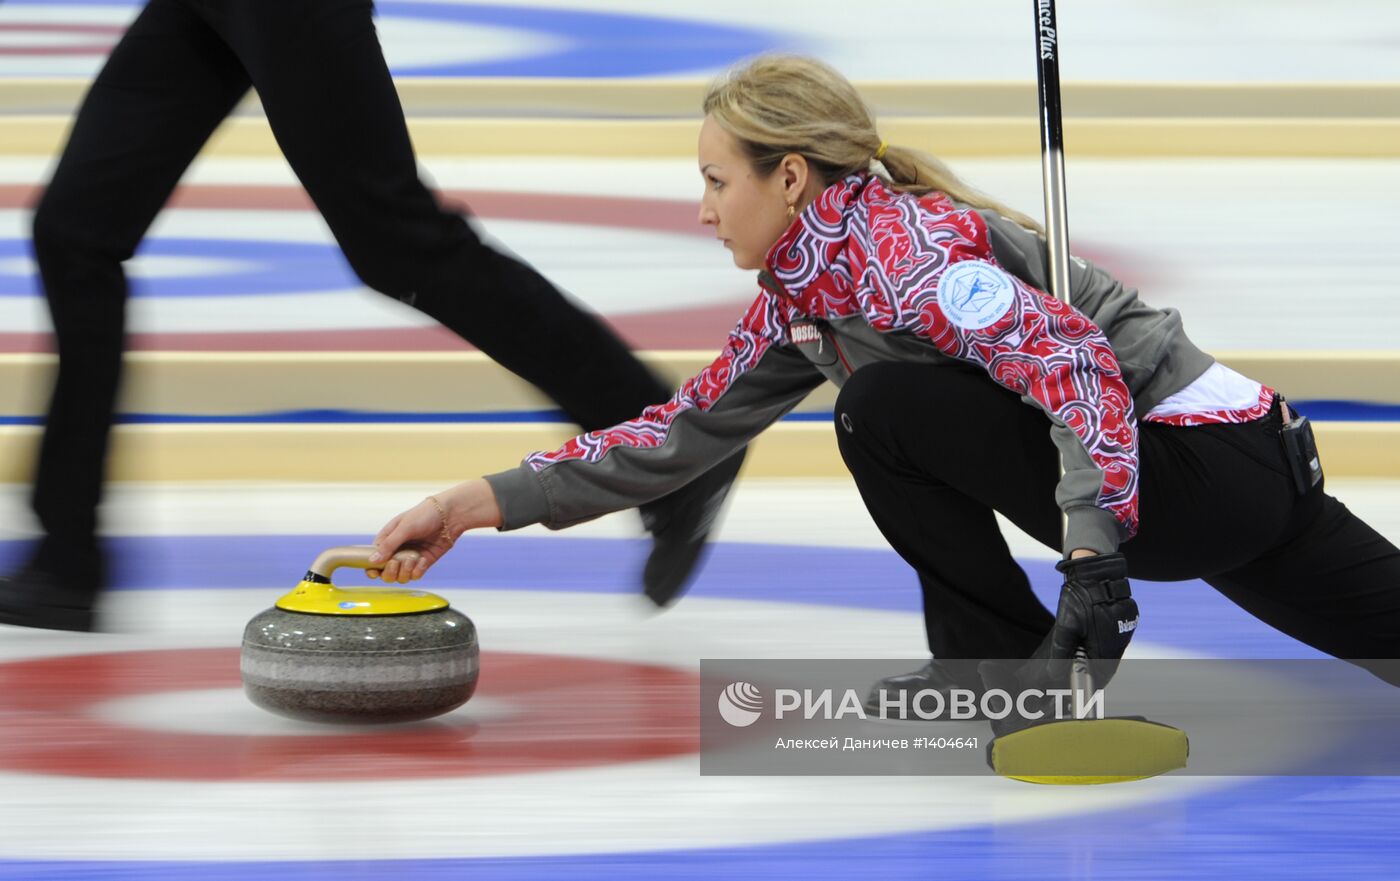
{"x":1080,"y":752}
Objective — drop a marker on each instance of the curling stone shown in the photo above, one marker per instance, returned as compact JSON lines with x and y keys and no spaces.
{"x":365,"y":655}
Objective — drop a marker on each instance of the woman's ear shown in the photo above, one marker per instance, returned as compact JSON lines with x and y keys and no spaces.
{"x":797,"y":174}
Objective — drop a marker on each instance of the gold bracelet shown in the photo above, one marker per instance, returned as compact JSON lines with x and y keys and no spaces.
{"x":446,"y":536}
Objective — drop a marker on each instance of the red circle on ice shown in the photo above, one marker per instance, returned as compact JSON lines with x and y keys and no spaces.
{"x":564,"y":712}
{"x":107,"y":38}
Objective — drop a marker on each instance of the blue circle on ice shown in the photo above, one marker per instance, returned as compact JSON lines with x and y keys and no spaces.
{"x":576,"y":42}
{"x":236,"y":267}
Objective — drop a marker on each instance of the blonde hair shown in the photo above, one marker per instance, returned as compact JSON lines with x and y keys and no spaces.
{"x":780,"y":104}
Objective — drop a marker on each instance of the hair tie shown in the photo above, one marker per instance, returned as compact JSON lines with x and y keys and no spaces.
{"x":880,"y":153}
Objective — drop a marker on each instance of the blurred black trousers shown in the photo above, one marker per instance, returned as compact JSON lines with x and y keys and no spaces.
{"x":936,"y":450}
{"x":318,"y":67}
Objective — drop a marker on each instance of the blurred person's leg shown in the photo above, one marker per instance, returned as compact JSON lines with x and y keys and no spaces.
{"x":318,"y":67}
{"x":320,"y":72}
{"x":167,"y":85}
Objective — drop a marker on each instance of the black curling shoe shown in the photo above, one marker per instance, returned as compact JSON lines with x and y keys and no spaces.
{"x":937,"y":676}
{"x":35,"y":598}
{"x":680,"y":525}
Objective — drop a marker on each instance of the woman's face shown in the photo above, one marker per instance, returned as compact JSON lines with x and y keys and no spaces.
{"x":749,"y":211}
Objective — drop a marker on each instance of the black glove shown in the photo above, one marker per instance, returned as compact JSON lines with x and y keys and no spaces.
{"x":1097,"y":612}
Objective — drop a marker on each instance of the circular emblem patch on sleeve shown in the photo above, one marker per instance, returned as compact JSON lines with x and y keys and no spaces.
{"x":975,"y":294}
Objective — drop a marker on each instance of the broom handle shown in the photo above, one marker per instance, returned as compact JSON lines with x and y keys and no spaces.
{"x":1052,"y":149}
{"x":1052,"y":166}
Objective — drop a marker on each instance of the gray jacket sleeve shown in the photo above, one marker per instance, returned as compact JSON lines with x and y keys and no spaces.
{"x":1071,"y":373}
{"x":1156,"y":357}
{"x":757,"y":379}
{"x":1150,"y":344}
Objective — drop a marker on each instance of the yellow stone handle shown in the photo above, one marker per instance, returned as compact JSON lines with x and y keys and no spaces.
{"x":355,"y":557}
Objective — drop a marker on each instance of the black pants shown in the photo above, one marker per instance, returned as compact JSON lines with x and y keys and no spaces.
{"x":319,"y":70}
{"x":935,"y":450}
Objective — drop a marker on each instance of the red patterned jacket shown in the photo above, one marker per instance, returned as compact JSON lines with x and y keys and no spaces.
{"x":868,"y":274}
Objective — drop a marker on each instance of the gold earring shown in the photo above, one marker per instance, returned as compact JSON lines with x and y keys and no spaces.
{"x":792,"y":211}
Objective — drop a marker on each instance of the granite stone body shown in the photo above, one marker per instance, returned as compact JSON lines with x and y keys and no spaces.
{"x":360,"y":668}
